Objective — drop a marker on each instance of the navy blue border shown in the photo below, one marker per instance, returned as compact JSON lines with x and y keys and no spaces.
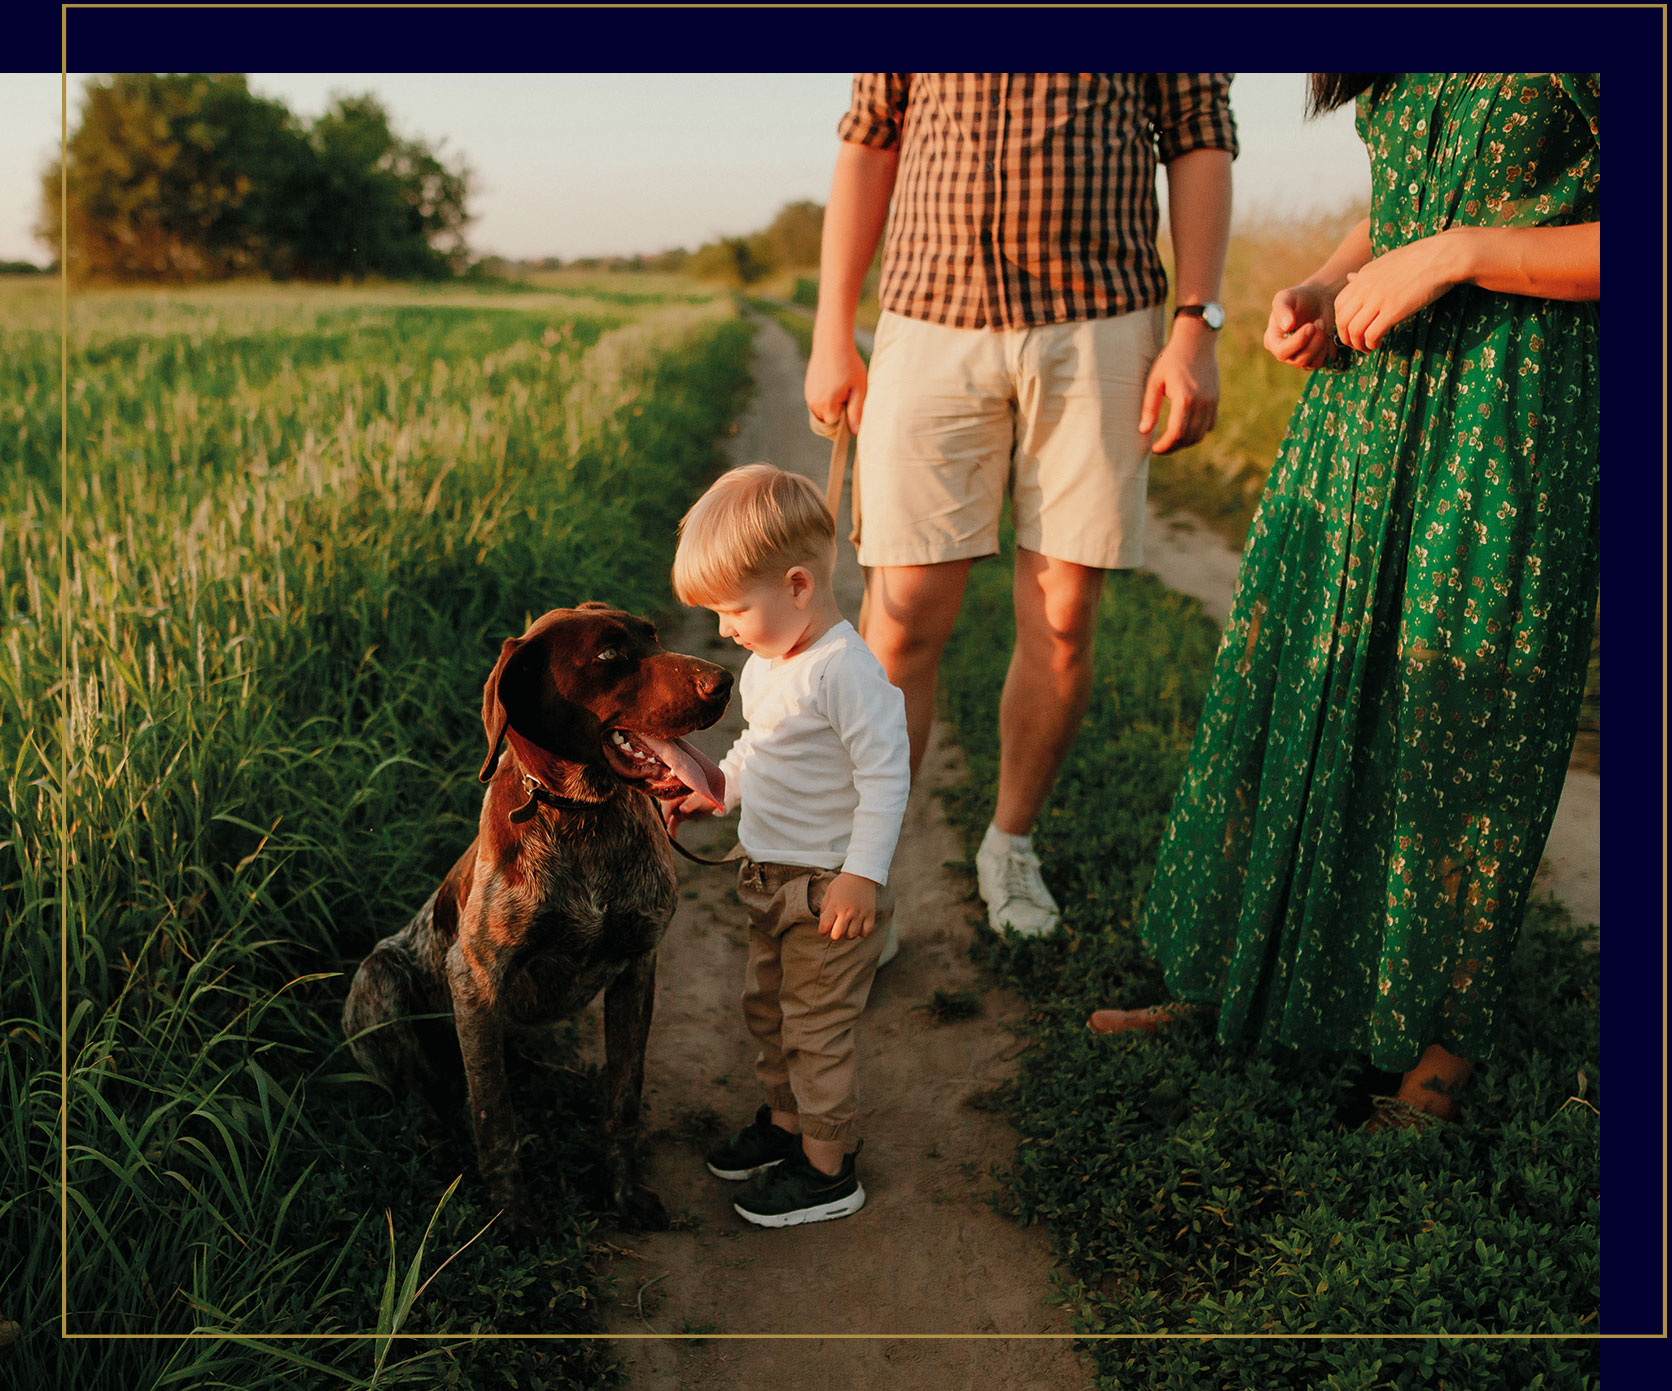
{"x":1626,"y":45}
{"x":489,"y":38}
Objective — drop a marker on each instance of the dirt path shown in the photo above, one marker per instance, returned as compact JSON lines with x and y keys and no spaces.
{"x":927,"y":1255}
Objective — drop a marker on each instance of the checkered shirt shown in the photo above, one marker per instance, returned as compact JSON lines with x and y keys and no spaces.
{"x":1029,"y":198}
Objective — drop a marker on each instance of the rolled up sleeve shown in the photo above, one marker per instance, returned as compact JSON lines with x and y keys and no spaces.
{"x":1191,"y":111}
{"x":876,"y":110}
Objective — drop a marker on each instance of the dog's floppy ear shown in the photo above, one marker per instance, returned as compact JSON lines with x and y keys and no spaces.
{"x":520,"y":706}
{"x":494,"y":715}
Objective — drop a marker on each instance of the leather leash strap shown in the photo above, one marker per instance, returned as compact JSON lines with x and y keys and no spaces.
{"x":840,"y":437}
{"x":693,"y":858}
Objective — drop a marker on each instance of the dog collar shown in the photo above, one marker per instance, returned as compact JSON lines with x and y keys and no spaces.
{"x":539,"y":793}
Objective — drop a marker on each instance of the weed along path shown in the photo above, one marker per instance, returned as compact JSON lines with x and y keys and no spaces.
{"x":928,"y":1254}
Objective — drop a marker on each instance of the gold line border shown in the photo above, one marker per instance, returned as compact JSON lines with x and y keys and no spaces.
{"x":63,"y":830}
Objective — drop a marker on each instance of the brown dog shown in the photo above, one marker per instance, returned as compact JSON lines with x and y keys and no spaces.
{"x":565,"y":891}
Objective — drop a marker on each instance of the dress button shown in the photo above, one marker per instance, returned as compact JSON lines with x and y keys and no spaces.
{"x":1413,"y":190}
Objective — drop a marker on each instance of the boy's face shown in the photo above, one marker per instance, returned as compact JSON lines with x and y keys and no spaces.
{"x":770,"y":617}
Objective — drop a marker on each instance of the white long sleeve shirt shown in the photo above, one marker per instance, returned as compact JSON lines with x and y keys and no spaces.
{"x":822,"y":771}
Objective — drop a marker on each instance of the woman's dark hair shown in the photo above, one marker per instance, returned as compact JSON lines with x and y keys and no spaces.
{"x":1328,"y":90}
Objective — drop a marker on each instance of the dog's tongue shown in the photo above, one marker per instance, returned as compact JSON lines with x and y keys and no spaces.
{"x":689,"y":766}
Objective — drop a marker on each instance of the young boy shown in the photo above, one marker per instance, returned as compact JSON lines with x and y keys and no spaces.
{"x":822,"y":776}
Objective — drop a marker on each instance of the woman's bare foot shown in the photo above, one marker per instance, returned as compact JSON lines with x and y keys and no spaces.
{"x":1426,"y":1094}
{"x":1150,"y":1021}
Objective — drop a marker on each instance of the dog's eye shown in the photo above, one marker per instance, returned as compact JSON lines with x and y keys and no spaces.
{"x":609,"y":654}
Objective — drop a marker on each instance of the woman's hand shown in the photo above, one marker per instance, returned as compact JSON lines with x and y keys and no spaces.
{"x":1389,"y":289}
{"x":1300,"y":331}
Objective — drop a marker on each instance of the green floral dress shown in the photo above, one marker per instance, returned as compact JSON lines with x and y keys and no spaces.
{"x":1394,"y":703}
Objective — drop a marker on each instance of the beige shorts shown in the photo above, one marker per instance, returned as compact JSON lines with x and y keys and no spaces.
{"x":957,"y":418}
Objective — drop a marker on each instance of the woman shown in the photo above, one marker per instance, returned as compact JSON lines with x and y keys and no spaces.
{"x":1393,"y":707}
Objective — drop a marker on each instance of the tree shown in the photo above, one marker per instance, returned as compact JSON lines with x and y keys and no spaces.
{"x":791,"y":240}
{"x":730,"y":259}
{"x":170,"y":177}
{"x":377,"y":204}
{"x":188,"y":176}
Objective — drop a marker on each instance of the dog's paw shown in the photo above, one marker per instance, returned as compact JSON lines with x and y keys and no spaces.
{"x":641,"y":1210}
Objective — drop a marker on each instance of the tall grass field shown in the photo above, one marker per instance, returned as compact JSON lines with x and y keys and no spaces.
{"x":299,"y":526}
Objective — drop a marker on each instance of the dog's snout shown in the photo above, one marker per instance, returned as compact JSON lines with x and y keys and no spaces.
{"x":714,"y":682}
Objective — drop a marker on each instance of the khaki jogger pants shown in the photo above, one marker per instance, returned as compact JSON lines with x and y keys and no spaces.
{"x":803,"y":994}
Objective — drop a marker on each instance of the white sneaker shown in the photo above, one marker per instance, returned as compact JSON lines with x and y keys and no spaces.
{"x":890,"y":942}
{"x":1015,"y":895}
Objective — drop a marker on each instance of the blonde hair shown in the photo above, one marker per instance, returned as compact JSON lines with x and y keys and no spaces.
{"x":753,"y":521}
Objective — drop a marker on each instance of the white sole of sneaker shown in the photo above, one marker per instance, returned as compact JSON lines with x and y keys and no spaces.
{"x":890,"y":944}
{"x":738,"y":1175}
{"x":819,"y":1212}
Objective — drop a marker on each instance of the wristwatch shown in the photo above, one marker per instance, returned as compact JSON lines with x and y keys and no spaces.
{"x":1212,"y":313}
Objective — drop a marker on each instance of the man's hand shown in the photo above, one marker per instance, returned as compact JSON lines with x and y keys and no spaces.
{"x":836,"y":380}
{"x":1300,"y":331}
{"x":1186,"y":374}
{"x":849,"y":908}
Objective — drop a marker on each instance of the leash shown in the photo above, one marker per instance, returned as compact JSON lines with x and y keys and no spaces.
{"x":837,"y":432}
{"x":690,"y":855}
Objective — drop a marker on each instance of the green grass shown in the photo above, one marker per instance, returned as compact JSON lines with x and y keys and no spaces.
{"x":301,"y":524}
{"x":798,"y":324}
{"x":1192,"y":1188}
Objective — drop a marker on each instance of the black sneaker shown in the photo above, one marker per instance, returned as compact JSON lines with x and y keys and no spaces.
{"x":752,"y":1150}
{"x":796,"y":1192}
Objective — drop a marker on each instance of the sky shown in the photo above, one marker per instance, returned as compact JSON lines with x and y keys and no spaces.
{"x":589,"y":164}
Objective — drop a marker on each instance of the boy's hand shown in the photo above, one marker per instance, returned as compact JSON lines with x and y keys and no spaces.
{"x":849,"y":908}
{"x":688,"y":808}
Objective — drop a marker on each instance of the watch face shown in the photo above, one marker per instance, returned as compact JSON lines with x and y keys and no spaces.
{"x":1213,"y":315}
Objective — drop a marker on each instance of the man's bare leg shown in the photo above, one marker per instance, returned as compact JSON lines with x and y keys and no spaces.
{"x":908,"y":619}
{"x":1049,"y":683}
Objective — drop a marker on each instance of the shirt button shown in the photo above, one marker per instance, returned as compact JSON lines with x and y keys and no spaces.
{"x":989,"y":168}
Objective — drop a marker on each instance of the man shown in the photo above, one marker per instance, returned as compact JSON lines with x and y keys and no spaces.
{"x":1022,"y":350}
